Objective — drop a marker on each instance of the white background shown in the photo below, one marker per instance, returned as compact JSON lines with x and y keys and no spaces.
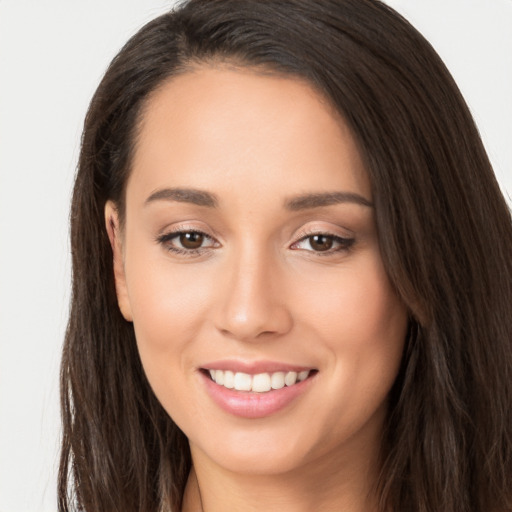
{"x":52,"y":56}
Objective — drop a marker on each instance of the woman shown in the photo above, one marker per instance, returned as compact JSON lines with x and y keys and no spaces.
{"x":292,"y":276}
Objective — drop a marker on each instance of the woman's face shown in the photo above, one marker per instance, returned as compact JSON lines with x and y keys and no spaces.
{"x":250,"y":253}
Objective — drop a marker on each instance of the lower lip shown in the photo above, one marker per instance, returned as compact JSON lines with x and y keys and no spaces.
{"x":246,"y":404}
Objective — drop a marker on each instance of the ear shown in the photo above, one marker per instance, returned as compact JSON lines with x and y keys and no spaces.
{"x":114,"y":235}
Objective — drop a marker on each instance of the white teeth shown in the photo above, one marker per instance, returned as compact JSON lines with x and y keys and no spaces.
{"x":290,"y":378}
{"x":219,"y":377}
{"x":277,"y":380}
{"x":259,"y":383}
{"x":243,"y":381}
{"x":303,"y":375}
{"x":229,"y":379}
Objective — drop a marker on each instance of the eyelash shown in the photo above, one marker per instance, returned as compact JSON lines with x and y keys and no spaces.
{"x":167,"y":238}
{"x":345,"y":244}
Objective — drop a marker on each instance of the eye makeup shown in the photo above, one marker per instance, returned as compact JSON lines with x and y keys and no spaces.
{"x":323,"y":243}
{"x":194,"y":242}
{"x":185,"y":241}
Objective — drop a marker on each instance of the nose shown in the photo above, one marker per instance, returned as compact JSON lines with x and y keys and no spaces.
{"x":253,"y":305}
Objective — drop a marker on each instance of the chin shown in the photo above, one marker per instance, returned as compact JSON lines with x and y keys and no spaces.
{"x":266,"y":448}
{"x":258,"y":459}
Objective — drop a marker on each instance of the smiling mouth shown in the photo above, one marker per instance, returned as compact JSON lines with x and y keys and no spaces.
{"x":258,"y":383}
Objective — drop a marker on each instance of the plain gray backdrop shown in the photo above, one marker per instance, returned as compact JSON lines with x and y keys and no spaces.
{"x":52,"y":55}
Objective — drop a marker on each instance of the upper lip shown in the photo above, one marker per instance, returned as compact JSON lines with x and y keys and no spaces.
{"x":254,"y":367}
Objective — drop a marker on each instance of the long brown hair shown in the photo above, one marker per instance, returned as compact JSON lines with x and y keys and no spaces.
{"x":445,"y":234}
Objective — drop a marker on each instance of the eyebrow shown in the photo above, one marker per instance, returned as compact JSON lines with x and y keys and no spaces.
{"x":319,"y":200}
{"x":184,"y":195}
{"x":302,"y":202}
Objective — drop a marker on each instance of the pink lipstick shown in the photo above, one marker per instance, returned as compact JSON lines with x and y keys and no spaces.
{"x":256,"y":389}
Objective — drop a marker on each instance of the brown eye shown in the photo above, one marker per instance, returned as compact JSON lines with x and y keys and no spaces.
{"x":191,"y":240}
{"x":321,"y":242}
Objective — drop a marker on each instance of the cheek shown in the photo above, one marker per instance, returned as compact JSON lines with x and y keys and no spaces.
{"x":363,"y":326}
{"x":356,"y":307}
{"x":164,"y":299}
{"x":167,"y":317}
{"x":375,"y":327}
{"x":169,"y":309}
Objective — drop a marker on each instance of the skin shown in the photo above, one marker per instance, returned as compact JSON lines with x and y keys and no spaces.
{"x":258,"y":289}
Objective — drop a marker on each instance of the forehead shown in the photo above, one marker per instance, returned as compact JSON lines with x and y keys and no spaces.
{"x":214,"y":127}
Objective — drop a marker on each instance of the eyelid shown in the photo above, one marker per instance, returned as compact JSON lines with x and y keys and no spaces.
{"x":185,"y":226}
{"x":167,"y":235}
{"x":323,"y":229}
{"x":171,"y":235}
{"x":345,"y":242}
